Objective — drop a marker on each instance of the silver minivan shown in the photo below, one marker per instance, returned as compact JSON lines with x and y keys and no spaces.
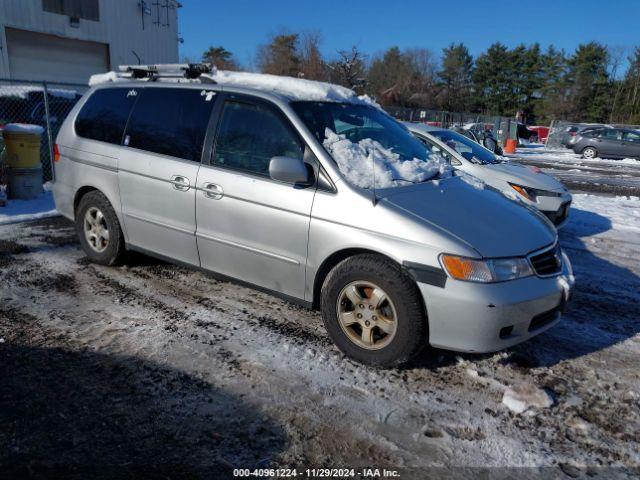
{"x":307,"y":191}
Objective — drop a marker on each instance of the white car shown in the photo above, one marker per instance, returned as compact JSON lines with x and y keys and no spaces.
{"x":527,"y":184}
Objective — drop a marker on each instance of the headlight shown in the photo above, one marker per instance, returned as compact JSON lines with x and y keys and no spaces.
{"x":532,"y":194}
{"x":485,"y":271}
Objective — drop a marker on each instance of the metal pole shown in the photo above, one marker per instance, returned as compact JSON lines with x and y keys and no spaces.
{"x":49,"y":136}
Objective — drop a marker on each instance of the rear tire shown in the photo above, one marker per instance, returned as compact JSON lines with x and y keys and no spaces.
{"x":99,"y":230}
{"x":590,"y":152}
{"x":392,"y":325}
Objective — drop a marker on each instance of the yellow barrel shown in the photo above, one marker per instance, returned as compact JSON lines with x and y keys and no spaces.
{"x":22,"y":143}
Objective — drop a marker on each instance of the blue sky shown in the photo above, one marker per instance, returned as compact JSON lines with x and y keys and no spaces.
{"x":374,"y":25}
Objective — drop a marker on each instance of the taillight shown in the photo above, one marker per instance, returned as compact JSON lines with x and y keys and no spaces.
{"x":56,"y":153}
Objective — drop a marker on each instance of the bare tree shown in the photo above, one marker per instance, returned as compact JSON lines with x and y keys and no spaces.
{"x":349,"y":69}
{"x":616,"y":56}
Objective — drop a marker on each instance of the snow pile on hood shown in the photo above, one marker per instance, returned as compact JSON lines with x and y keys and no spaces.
{"x":23,"y":128}
{"x":20,"y":91}
{"x":355,"y":161}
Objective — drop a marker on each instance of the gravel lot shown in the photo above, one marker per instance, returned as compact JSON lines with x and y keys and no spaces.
{"x":150,"y":368}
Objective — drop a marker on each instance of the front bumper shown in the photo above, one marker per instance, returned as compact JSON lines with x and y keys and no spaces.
{"x":475,"y":317}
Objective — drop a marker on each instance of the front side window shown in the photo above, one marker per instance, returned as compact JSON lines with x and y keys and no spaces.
{"x":104,"y":115}
{"x":250,"y":135}
{"x":170,"y":121}
{"x":368,"y":146}
{"x":631,"y":137}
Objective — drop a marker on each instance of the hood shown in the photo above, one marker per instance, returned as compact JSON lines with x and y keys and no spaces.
{"x":484,"y":219}
{"x":526,"y":176}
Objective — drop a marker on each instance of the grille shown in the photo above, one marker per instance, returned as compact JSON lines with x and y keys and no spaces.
{"x":548,"y":262}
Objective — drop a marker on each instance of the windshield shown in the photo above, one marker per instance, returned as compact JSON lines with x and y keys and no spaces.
{"x":466,"y":147}
{"x":366,"y":143}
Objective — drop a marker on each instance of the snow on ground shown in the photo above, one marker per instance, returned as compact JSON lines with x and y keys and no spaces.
{"x":586,"y":175}
{"x":25,"y":210}
{"x":618,"y":213}
{"x":567,"y":156}
{"x":576,"y":385}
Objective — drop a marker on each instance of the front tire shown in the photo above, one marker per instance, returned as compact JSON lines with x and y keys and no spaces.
{"x":590,"y":152}
{"x":99,"y":230}
{"x":373,"y":311}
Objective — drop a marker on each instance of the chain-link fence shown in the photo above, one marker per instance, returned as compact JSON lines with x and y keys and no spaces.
{"x":39,"y":103}
{"x":500,"y":126}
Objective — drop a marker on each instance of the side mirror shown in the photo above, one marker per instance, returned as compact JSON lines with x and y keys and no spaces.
{"x":455,"y":162}
{"x":288,"y":170}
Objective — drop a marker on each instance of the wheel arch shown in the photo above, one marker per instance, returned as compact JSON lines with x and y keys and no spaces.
{"x":338,"y":256}
{"x":115,"y":204}
{"x":81,"y":192}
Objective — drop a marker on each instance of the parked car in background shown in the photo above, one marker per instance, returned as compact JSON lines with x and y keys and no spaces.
{"x":529,"y":184}
{"x":572,"y":130}
{"x":608,"y":143}
{"x":482,"y":134}
{"x":267,"y":180}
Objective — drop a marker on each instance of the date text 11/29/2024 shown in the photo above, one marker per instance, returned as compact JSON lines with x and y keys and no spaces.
{"x":315,"y":473}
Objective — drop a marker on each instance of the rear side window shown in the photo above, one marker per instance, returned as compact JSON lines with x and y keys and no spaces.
{"x":170,"y":121}
{"x":250,"y":135}
{"x":104,"y":115}
{"x":610,"y":134}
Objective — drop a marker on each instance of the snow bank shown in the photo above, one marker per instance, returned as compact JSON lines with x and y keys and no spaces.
{"x":21,"y":91}
{"x":618,"y":213}
{"x":358,"y":161}
{"x":525,"y":396}
{"x":23,"y":128}
{"x":24,"y":210}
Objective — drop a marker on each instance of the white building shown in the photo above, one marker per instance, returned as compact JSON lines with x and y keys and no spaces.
{"x":69,"y":40}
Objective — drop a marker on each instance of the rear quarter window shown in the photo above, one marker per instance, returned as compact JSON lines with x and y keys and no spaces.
{"x":170,"y":121}
{"x":104,"y":115}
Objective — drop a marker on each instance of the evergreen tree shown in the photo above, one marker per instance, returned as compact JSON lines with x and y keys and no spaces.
{"x":280,"y":56}
{"x":457,"y":68}
{"x":220,"y":57}
{"x":492,"y":84}
{"x":588,"y":84}
{"x":389,"y":77}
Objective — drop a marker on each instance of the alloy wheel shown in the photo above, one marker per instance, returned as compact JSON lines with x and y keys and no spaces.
{"x":367,"y":315}
{"x":96,"y":230}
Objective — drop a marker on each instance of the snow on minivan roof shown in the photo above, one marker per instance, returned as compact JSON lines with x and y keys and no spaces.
{"x":288,"y":87}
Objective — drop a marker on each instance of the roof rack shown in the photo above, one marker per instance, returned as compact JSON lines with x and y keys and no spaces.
{"x":189,"y":71}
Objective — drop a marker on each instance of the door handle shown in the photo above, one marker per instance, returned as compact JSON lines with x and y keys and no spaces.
{"x":212,"y":190}
{"x":180,"y":182}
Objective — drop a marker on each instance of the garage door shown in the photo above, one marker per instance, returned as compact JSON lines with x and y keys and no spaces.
{"x":37,"y":56}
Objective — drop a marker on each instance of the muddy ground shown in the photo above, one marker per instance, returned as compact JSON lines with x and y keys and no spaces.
{"x":153,"y":370}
